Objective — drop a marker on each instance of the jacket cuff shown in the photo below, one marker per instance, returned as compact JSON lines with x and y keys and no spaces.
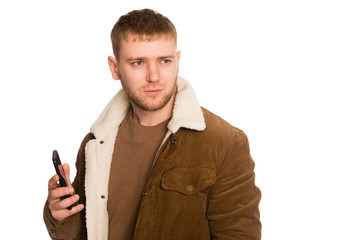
{"x":58,"y":229}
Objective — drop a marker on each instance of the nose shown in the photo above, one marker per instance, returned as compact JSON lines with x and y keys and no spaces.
{"x":153,"y":74}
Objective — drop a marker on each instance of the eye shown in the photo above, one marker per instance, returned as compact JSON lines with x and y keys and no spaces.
{"x":137,"y":63}
{"x":166,"y":61}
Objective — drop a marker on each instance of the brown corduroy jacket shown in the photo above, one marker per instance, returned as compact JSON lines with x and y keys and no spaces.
{"x":201,"y":185}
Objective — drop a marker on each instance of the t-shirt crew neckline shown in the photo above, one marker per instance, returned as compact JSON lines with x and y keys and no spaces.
{"x":138,"y":131}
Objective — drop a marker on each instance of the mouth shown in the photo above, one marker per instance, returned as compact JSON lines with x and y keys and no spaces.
{"x":153,"y":92}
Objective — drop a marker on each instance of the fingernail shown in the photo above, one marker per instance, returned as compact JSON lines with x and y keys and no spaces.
{"x":71,"y":190}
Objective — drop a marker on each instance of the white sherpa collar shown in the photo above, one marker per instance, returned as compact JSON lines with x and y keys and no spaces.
{"x":187,"y":112}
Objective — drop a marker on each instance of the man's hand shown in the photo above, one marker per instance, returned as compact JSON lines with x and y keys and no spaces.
{"x":57,"y":207}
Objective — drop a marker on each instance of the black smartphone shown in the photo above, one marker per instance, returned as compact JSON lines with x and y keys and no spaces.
{"x":60,"y":172}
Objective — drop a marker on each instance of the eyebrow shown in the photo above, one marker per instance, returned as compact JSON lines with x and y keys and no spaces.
{"x":170,"y":56}
{"x":143,"y":58}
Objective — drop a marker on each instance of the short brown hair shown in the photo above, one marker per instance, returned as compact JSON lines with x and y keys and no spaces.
{"x":145,"y":23}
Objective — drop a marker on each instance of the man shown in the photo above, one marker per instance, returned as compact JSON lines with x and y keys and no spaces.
{"x":156,"y":165}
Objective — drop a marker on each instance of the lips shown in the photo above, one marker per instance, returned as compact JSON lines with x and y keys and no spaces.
{"x":153,"y":91}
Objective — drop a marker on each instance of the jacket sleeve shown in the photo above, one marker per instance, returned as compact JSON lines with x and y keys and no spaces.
{"x":233,"y":205}
{"x":68,"y":228}
{"x":72,"y":227}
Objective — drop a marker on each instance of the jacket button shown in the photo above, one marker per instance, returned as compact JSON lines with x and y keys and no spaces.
{"x":190,"y":188}
{"x":173,"y":141}
{"x":103,"y":196}
{"x":144,"y":194}
{"x":102,"y":141}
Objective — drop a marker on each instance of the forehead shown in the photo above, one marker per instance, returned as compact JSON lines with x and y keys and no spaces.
{"x":142,"y":46}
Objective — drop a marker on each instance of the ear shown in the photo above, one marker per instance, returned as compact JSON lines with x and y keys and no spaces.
{"x":178,"y":53}
{"x":113,"y":67}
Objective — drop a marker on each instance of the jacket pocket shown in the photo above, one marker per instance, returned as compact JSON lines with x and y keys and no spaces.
{"x":188,"y":181}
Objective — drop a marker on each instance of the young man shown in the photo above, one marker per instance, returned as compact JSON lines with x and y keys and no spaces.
{"x":156,"y":165}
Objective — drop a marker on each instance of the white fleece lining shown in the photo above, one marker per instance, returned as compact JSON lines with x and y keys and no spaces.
{"x":98,"y":152}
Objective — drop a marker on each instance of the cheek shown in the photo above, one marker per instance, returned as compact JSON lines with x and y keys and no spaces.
{"x":127,"y":84}
{"x":134,"y":74}
{"x":170,"y":73}
{"x":130,"y":81}
{"x":124,"y":75}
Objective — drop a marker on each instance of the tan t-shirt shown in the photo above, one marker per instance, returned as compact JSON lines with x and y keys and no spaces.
{"x":136,"y":147}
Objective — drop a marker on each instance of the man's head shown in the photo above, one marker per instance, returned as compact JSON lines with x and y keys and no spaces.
{"x":146,"y":24}
{"x":146,"y":60}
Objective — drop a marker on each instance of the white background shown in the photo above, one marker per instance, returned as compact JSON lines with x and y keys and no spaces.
{"x":286,"y":72}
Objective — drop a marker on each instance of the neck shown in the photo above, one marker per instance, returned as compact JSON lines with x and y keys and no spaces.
{"x":153,"y":118}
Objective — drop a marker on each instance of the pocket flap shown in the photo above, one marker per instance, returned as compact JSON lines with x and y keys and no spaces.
{"x":188,"y":181}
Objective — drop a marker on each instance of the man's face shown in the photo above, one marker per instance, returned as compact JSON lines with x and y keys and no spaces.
{"x":147,"y":71}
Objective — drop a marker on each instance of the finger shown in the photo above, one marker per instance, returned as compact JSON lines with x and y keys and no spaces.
{"x":53,"y":182}
{"x":56,"y":193}
{"x":64,"y":213}
{"x":77,"y":208}
{"x":58,"y":205}
{"x":65,"y":203}
{"x":66,"y":168}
